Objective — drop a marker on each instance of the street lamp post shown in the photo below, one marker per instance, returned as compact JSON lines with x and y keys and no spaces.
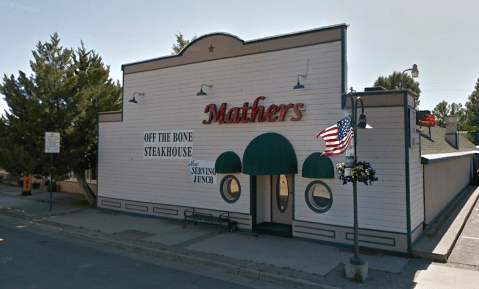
{"x":356,"y":261}
{"x":414,"y":73}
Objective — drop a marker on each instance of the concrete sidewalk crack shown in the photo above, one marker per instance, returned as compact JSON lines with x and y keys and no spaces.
{"x":194,"y":240}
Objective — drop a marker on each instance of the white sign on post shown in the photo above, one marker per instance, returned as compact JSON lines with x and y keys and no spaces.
{"x":52,"y":142}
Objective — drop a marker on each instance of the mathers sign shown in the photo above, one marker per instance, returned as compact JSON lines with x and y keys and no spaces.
{"x":172,"y":144}
{"x":253,"y":113}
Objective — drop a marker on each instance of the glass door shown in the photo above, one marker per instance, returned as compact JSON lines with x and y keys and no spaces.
{"x":282,"y":199}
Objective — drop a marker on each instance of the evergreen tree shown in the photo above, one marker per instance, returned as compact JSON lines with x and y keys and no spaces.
{"x":94,"y":92}
{"x":472,"y":110}
{"x":440,"y":111}
{"x":444,"y":109}
{"x":64,"y":94}
{"x":458,"y":110}
{"x":472,"y":114}
{"x":35,"y":106}
{"x":399,"y":80}
{"x":180,"y":43}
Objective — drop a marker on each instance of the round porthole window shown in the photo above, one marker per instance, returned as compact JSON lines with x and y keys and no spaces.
{"x":319,"y":197}
{"x":230,"y":189}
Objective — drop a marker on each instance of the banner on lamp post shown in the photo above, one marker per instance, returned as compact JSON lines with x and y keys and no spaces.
{"x":349,"y":163}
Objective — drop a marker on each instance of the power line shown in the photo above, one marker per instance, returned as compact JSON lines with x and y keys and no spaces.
{"x":448,"y":90}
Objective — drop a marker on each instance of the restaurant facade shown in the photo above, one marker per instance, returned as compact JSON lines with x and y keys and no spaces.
{"x":229,"y":125}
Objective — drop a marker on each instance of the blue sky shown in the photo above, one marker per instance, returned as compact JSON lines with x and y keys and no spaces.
{"x":439,"y":36}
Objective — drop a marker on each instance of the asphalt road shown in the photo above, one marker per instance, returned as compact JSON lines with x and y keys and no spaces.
{"x":30,"y":258}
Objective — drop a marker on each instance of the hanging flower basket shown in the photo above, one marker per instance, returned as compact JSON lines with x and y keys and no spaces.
{"x":361,"y":172}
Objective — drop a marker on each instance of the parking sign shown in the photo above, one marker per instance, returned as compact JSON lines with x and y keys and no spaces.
{"x":52,"y":142}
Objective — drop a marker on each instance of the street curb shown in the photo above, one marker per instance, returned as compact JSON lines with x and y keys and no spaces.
{"x":178,"y":257}
{"x":465,"y":205}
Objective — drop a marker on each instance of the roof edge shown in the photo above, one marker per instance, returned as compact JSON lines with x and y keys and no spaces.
{"x":437,"y":158}
{"x":239,"y":39}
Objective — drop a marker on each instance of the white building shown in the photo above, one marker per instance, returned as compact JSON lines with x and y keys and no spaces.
{"x":248,"y":145}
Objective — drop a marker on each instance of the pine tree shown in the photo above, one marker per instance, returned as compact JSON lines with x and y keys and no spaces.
{"x":94,"y":92}
{"x":64,"y":94}
{"x":440,"y":111}
{"x":444,"y":109}
{"x":472,"y":110}
{"x":33,"y":102}
{"x":180,"y":43}
{"x":399,"y":80}
{"x":472,"y":114}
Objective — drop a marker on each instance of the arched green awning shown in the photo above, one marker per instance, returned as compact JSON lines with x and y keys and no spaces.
{"x":317,"y":166}
{"x":228,"y":163}
{"x":270,"y":154}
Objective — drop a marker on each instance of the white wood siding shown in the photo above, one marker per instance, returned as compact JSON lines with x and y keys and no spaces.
{"x":441,"y":186}
{"x":416,"y":183}
{"x":170,"y":103}
{"x":382,"y":205}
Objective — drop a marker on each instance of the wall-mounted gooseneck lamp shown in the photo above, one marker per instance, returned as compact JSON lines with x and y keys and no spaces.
{"x":299,"y":85}
{"x":201,"y":91}
{"x":133,"y":99}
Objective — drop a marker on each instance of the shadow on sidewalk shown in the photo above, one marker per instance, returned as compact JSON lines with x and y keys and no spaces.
{"x":37,"y":205}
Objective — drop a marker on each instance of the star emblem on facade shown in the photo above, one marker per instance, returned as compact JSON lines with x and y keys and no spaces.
{"x":211,"y":48}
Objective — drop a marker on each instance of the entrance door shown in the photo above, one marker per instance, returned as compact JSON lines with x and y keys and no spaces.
{"x":263,"y":199}
{"x":274,"y":199}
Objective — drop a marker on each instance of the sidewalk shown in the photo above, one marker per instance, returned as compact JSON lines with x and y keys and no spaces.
{"x":291,"y":261}
{"x":38,"y":204}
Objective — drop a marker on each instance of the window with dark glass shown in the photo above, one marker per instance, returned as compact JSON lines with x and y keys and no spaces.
{"x":282,"y":193}
{"x":318,"y":196}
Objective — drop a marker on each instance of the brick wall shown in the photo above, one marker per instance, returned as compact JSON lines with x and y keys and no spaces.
{"x":74,"y":187}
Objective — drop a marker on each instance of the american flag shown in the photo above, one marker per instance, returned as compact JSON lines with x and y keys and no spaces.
{"x":426,"y":119}
{"x":337,"y":137}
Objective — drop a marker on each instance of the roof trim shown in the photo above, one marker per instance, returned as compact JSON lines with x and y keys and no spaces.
{"x":109,"y":112}
{"x":437,"y":158}
{"x":110,"y":116}
{"x":229,"y":45}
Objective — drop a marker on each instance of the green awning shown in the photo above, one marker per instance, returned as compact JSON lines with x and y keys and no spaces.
{"x":317,"y":166}
{"x":228,"y":163}
{"x":269,"y":154}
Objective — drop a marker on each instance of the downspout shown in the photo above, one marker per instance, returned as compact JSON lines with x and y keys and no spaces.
{"x":408,"y":182}
{"x":344,"y":63}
